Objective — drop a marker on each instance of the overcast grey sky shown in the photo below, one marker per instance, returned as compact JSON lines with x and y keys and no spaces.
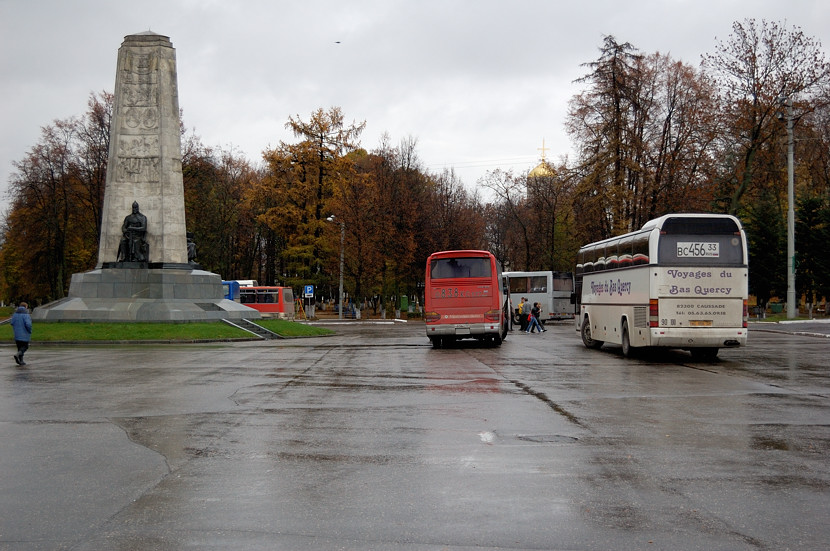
{"x":478,"y":83}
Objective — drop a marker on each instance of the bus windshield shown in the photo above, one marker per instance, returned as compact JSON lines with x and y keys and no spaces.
{"x":700,"y":242}
{"x":451,"y":268}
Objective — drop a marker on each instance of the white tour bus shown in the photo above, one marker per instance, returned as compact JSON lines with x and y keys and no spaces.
{"x":679,"y":282}
{"x":553,"y":290}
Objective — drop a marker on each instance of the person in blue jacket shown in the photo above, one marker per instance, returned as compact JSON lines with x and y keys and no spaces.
{"x":22,"y":325}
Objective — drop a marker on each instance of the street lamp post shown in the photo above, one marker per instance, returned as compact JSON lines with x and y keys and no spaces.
{"x":792,"y":305}
{"x":332,"y":218}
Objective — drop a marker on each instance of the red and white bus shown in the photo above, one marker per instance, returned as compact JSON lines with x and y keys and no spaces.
{"x":271,"y":302}
{"x":465,"y":297}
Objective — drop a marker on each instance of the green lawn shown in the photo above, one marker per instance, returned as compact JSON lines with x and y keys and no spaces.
{"x":775,"y":318}
{"x":83,"y":331}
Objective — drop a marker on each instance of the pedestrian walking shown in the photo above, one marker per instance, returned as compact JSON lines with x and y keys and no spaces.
{"x":22,"y":325}
{"x":532,"y":321}
{"x":536,"y":311}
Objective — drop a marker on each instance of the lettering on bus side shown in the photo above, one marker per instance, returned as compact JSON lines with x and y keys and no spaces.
{"x":611,"y":287}
{"x":699,"y":312}
{"x":455,"y":292}
{"x":700,"y":283}
{"x":707,"y":310}
{"x":699,"y":290}
{"x":696,"y":274}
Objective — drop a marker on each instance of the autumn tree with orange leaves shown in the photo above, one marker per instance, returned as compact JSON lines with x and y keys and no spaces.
{"x":53,"y":227}
{"x":218,"y":187}
{"x":652,"y":135}
{"x":299,"y":184}
{"x":642,"y":131}
{"x":758,"y":68}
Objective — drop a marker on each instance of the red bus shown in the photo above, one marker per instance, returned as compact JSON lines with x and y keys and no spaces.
{"x":465,"y":297}
{"x":272,"y":302}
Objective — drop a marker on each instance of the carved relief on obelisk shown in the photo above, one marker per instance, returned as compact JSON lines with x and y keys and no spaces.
{"x":145,"y":151}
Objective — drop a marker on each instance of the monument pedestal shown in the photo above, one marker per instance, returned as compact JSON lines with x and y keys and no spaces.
{"x":144,"y":294}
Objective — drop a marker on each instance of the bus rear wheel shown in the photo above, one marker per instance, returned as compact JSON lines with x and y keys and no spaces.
{"x":626,"y":340}
{"x":586,"y":335}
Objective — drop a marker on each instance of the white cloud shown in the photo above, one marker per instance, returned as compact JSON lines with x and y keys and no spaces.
{"x":479,"y":83}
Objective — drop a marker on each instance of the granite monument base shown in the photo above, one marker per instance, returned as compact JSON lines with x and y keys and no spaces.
{"x":144,"y":294}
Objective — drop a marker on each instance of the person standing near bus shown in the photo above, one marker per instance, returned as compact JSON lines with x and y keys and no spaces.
{"x":524,"y":310}
{"x":22,"y":325}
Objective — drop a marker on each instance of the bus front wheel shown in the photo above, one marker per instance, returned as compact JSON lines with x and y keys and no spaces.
{"x":586,"y":335}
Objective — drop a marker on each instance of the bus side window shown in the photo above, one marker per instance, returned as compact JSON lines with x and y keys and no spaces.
{"x":599,"y":263}
{"x":590,"y":257}
{"x":518,"y":285}
{"x":626,"y":258}
{"x":639,"y":249}
{"x":563,"y":283}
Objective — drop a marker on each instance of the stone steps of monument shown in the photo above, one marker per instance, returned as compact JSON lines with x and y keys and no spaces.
{"x":251,"y":327}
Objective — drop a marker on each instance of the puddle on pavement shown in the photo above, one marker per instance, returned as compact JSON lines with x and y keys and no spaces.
{"x":768,"y":443}
{"x":547,"y":438}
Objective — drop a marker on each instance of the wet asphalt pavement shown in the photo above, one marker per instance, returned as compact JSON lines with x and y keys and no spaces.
{"x":372,"y":440}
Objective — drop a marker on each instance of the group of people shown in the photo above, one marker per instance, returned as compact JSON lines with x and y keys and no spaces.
{"x":529,"y":316}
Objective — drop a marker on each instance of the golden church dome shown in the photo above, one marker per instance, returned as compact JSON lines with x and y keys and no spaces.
{"x":541,"y":171}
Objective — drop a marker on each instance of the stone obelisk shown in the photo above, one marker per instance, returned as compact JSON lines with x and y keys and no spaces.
{"x":145,"y":160}
{"x":143,"y":271}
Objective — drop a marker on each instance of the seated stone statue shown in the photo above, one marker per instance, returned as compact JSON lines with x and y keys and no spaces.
{"x":133,"y":246}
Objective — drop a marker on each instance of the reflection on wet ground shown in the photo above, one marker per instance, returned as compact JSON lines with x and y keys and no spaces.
{"x":372,"y":439}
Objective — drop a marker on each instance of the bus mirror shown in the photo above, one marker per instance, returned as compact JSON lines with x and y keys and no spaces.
{"x":573,"y":298}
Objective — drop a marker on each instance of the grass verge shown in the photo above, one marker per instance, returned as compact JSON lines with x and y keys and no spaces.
{"x":84,"y":331}
{"x":293,"y":329}
{"x":775,"y":318}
